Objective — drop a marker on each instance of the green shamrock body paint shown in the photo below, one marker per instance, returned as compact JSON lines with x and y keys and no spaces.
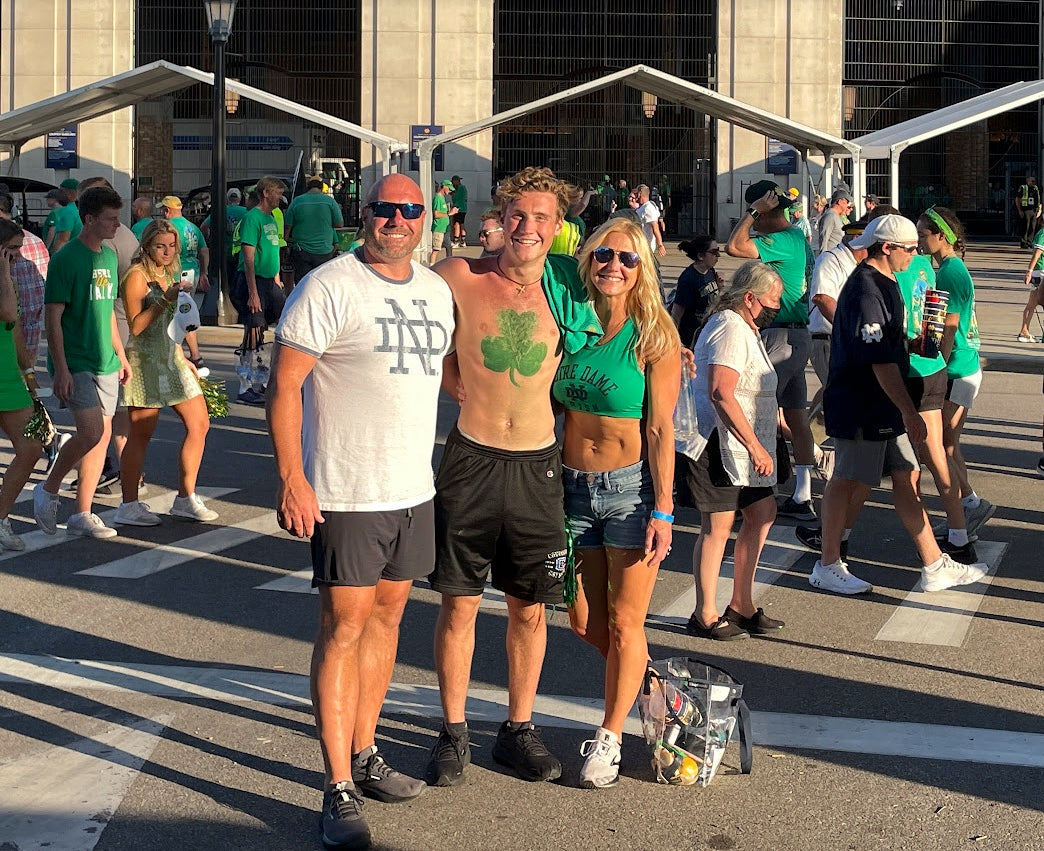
{"x":514,"y":350}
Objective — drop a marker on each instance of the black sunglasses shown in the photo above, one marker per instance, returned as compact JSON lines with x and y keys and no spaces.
{"x":604,"y":254}
{"x":386,"y":209}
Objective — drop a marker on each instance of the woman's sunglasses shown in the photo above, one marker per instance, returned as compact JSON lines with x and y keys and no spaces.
{"x":386,"y":209}
{"x":629,"y":259}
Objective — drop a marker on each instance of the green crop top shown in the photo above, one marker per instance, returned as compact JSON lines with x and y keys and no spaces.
{"x":603,"y":379}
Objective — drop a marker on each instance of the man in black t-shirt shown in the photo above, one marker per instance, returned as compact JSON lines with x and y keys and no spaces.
{"x":871,"y":416}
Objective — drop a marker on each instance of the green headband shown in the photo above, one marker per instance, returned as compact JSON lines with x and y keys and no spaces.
{"x":940,"y":222}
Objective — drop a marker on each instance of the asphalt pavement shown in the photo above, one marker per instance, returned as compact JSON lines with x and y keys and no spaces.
{"x":154,"y":695}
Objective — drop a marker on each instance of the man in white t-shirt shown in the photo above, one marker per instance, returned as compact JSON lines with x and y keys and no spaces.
{"x":351,"y":410}
{"x":832,"y":269}
{"x":649,"y":215}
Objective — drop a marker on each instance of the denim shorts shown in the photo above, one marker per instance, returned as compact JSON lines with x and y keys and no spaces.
{"x":609,"y":509}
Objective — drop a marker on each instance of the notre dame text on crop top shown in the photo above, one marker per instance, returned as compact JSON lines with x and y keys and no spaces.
{"x":604,"y":379}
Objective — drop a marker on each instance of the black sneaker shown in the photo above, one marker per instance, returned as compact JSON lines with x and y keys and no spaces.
{"x":1040,"y":467}
{"x":251,"y":397}
{"x":343,"y":826}
{"x":797,"y":510}
{"x":449,"y":758}
{"x":812,"y":537}
{"x":721,"y":630}
{"x":110,"y":476}
{"x":757,"y":624}
{"x":964,"y":555}
{"x":524,"y":753}
{"x":378,"y":780}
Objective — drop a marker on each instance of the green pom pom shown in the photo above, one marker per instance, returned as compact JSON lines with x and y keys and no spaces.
{"x":215,"y":396}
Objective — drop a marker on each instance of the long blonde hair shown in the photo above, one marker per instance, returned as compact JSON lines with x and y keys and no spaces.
{"x":142,"y":260}
{"x":657,"y":336}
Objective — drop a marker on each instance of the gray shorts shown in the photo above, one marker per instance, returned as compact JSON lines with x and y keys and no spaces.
{"x":820,"y":358}
{"x":860,"y":460}
{"x":789,"y":350}
{"x":359,"y":548}
{"x":95,"y":391}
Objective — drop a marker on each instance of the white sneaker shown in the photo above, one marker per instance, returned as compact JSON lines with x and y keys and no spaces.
{"x":45,"y":509}
{"x":8,"y":539}
{"x":975,"y":518}
{"x":135,"y":514}
{"x":602,"y":766}
{"x":946,"y":573}
{"x":89,"y":525}
{"x":191,"y":507}
{"x":835,"y":577}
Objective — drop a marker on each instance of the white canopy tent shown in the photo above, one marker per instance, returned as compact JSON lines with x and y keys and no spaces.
{"x":155,"y":80}
{"x":669,"y":88}
{"x":890,"y":142}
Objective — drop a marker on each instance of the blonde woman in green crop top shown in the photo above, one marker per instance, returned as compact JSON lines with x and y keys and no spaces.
{"x":618,"y":465}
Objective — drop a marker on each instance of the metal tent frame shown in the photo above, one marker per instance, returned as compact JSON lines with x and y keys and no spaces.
{"x":669,"y":88}
{"x":890,"y":142}
{"x":155,"y":80}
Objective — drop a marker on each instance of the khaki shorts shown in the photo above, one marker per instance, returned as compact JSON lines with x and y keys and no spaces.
{"x":437,"y":238}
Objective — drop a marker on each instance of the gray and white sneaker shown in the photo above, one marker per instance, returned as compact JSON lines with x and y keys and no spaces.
{"x":947,"y":573}
{"x":192,"y":507}
{"x":836,"y":577}
{"x":89,"y":525}
{"x":135,"y":514}
{"x":976,"y":518}
{"x":602,"y":766}
{"x":8,"y":539}
{"x":376,"y":779}
{"x":45,"y":509}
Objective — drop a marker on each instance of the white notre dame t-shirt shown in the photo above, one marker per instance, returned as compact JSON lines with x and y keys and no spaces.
{"x":371,"y":400}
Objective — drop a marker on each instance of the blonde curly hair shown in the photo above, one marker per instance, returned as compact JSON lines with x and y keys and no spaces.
{"x":534,"y":179}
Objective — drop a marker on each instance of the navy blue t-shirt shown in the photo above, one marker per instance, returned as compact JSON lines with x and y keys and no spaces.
{"x":696,"y":293}
{"x":869,"y":328}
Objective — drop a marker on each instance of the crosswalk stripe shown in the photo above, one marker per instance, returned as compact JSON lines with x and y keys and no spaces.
{"x":160,"y":502}
{"x":89,"y":776}
{"x":942,"y":617}
{"x":298,"y":582}
{"x":163,"y":556}
{"x":774,"y":729}
{"x":781,"y":551}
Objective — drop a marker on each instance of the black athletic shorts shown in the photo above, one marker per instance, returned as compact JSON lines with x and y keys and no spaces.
{"x":928,"y":392}
{"x":269,"y":293}
{"x":499,"y":512}
{"x":361,"y":547}
{"x":712,"y":489}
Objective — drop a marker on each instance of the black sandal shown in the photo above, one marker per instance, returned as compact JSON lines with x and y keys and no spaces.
{"x":720,"y":631}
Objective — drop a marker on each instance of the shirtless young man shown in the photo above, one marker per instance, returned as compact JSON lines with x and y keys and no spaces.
{"x":498,"y":504}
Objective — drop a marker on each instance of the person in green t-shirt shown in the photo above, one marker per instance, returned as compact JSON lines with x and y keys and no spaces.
{"x":788,"y":340}
{"x":441,"y":216}
{"x":926,"y":384}
{"x":234,"y":212}
{"x":941,"y":234}
{"x":311,"y":223}
{"x":86,"y":358}
{"x":67,"y":222}
{"x":195,"y":256}
{"x":460,"y":201}
{"x":257,"y":291}
{"x":55,"y":200}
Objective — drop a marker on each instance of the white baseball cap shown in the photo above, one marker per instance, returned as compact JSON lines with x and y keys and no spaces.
{"x":186,"y":318}
{"x":891,"y":228}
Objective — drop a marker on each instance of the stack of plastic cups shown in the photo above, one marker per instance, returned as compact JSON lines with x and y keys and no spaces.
{"x":932,"y":321}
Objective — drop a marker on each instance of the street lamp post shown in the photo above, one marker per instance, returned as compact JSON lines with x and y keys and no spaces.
{"x":219,"y":21}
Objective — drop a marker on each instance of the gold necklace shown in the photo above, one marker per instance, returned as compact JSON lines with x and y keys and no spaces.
{"x":519,"y":287}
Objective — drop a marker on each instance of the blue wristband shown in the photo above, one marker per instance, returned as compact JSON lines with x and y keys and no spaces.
{"x":662,"y":515}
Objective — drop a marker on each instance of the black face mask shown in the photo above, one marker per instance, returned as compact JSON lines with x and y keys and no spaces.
{"x":766,"y":317}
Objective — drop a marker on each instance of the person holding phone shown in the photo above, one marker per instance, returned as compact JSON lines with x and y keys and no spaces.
{"x":161,"y":377}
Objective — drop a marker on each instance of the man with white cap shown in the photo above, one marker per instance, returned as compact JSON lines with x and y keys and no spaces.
{"x":871,"y":416}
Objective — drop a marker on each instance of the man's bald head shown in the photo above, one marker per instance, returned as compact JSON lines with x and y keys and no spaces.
{"x":395,"y":184}
{"x":141,"y":208}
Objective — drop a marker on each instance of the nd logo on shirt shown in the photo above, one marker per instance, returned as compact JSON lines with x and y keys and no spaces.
{"x":403,"y":335}
{"x":102,"y":287}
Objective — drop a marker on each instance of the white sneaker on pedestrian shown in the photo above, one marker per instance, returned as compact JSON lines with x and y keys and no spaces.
{"x":135,"y":514}
{"x":602,"y":766}
{"x":8,"y":539}
{"x":191,"y":507}
{"x":89,"y":525}
{"x":835,"y":577}
{"x":947,"y":573}
{"x":45,"y":509}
